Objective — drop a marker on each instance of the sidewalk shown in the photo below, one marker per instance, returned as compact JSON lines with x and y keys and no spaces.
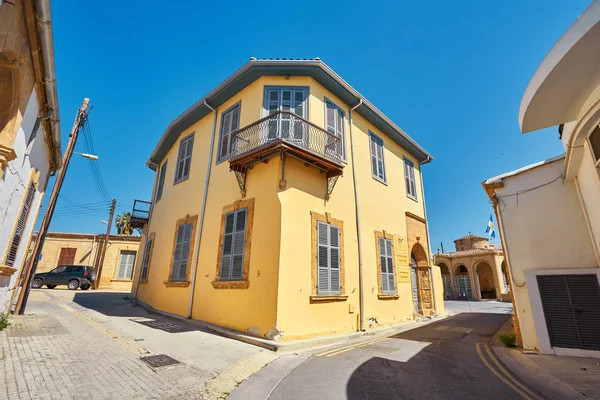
{"x":89,"y":345}
{"x":557,"y":377}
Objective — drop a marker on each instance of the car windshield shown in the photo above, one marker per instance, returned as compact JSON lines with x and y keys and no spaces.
{"x":58,"y":270}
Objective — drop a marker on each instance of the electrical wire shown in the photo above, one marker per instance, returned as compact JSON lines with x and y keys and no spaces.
{"x":88,"y":144}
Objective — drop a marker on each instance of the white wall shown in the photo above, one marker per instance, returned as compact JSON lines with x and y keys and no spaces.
{"x":13,"y":187}
{"x":543,"y":229}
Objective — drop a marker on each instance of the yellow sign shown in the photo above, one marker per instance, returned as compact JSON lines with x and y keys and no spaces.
{"x":401,"y":250}
{"x":403,"y":275}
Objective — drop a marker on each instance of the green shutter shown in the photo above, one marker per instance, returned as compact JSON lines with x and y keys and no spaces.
{"x":328,"y":259}
{"x":234,"y":242}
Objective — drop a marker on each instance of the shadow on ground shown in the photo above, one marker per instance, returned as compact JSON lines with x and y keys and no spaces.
{"x":119,"y":304}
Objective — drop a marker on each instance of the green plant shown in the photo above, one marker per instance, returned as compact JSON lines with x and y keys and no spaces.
{"x":3,"y":321}
{"x":508,"y":339}
{"x":124,"y":224}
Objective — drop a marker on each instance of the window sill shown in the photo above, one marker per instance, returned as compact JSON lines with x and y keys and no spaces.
{"x":144,"y":281}
{"x":121,"y":280}
{"x":230,"y":284}
{"x":388,"y":296}
{"x":6,"y":270}
{"x":327,"y":299}
{"x":378,"y":179}
{"x":180,"y":181}
{"x":176,"y":284}
{"x":412,"y":198}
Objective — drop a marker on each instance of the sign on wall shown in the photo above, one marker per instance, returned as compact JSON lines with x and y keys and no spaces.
{"x":403,"y":275}
{"x":401,"y":247}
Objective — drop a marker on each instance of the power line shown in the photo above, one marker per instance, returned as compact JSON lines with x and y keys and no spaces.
{"x":88,"y":143}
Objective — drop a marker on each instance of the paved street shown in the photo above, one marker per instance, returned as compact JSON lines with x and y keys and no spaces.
{"x":88,"y":345}
{"x":437,"y":361}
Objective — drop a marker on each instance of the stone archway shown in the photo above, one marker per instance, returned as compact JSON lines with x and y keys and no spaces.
{"x":420,"y":273}
{"x":9,"y":96}
{"x":463,"y":283}
{"x":447,"y":281}
{"x":485,"y":281}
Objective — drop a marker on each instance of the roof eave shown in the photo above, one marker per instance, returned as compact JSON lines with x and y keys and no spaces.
{"x":420,"y":153}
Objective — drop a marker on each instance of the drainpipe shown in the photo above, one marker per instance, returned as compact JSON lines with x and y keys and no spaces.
{"x":157,"y":170}
{"x":201,"y":222}
{"x":428,"y":238}
{"x":361,"y":284}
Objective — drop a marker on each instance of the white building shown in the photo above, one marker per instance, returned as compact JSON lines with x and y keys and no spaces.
{"x":29,"y":130}
{"x":549,"y":212}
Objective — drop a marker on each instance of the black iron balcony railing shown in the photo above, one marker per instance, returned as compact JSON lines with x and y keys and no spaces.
{"x":286,"y":127}
{"x":139,"y":214}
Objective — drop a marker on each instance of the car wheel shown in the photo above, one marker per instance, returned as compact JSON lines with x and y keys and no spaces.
{"x":73,"y":284}
{"x":85,"y":287}
{"x":37,"y":283}
{"x":50,"y":286}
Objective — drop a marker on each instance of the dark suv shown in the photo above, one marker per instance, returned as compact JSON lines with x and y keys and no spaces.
{"x":74,"y":276}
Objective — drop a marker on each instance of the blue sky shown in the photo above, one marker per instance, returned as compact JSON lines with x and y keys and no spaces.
{"x":451,"y":74}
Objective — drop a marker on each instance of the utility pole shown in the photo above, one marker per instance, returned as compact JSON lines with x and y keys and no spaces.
{"x":105,"y":244}
{"x":31,"y":266}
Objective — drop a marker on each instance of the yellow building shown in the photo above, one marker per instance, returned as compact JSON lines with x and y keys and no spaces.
{"x":287,"y":206}
{"x":62,"y":248}
{"x":549,"y":212}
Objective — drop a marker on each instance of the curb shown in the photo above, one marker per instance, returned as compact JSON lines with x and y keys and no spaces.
{"x":292,"y":346}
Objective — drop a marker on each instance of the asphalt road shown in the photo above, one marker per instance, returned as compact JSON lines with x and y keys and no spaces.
{"x":438,"y":361}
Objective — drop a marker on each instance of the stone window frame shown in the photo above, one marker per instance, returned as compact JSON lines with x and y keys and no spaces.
{"x":380,"y":295}
{"x":149,"y":262}
{"x":245,"y":282}
{"x":185,"y":220}
{"x":327,"y":219}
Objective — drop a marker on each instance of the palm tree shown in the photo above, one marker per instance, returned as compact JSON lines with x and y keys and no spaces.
{"x":123,"y":224}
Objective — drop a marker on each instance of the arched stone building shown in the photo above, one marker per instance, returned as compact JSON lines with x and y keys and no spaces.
{"x":475,"y":271}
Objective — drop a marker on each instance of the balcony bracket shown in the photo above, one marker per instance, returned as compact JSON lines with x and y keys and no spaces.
{"x":240,"y":175}
{"x":282,"y":182}
{"x":331,"y":181}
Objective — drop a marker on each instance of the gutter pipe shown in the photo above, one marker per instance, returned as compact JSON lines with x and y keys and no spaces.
{"x":361,"y":283}
{"x":428,"y":238}
{"x":137,"y":285}
{"x":202,"y":212}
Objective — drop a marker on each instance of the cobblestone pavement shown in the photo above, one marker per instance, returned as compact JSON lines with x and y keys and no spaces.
{"x":75,"y":345}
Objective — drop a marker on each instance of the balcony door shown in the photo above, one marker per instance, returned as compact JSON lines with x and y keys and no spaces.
{"x":286,"y":126}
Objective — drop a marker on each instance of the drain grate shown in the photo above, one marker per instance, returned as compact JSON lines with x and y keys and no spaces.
{"x":159,"y":360}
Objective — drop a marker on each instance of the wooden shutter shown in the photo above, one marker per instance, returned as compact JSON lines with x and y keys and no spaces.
{"x":146,"y":259}
{"x":386,"y":266}
{"x":377,"y":162}
{"x":126,"y":263}
{"x":182,"y":251}
{"x":230,"y":123}
{"x":234,"y":243}
{"x":161,"y":181}
{"x":67,"y":256}
{"x":328,"y":259}
{"x":21,"y":224}
{"x":409,"y":178}
{"x":184,"y":159}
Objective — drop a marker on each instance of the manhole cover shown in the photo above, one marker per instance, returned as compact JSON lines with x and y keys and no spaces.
{"x":159,"y":360}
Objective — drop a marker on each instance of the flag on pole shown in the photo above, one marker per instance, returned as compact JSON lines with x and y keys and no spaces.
{"x":490,"y":228}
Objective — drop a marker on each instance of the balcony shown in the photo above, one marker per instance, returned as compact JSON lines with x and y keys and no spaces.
{"x":140,"y":214}
{"x":285,"y":134}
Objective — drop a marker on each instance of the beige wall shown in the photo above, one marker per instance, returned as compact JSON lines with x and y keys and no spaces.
{"x":87,"y":254}
{"x":541,"y":234}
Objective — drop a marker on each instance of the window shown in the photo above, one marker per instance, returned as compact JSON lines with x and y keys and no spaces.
{"x":59,"y":270}
{"x":328,"y":281}
{"x":409,"y":178}
{"x":230,"y":122}
{"x":161,"y":181}
{"x":184,"y":158}
{"x":595,"y":144}
{"x":334,"y":123}
{"x":289,"y":99}
{"x":20,"y":228}
{"x":386,"y":266}
{"x":126,"y":264}
{"x":67,"y":256}
{"x":181,"y":255}
{"x":233,"y":258}
{"x":377,"y":161}
{"x":146,"y":257}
